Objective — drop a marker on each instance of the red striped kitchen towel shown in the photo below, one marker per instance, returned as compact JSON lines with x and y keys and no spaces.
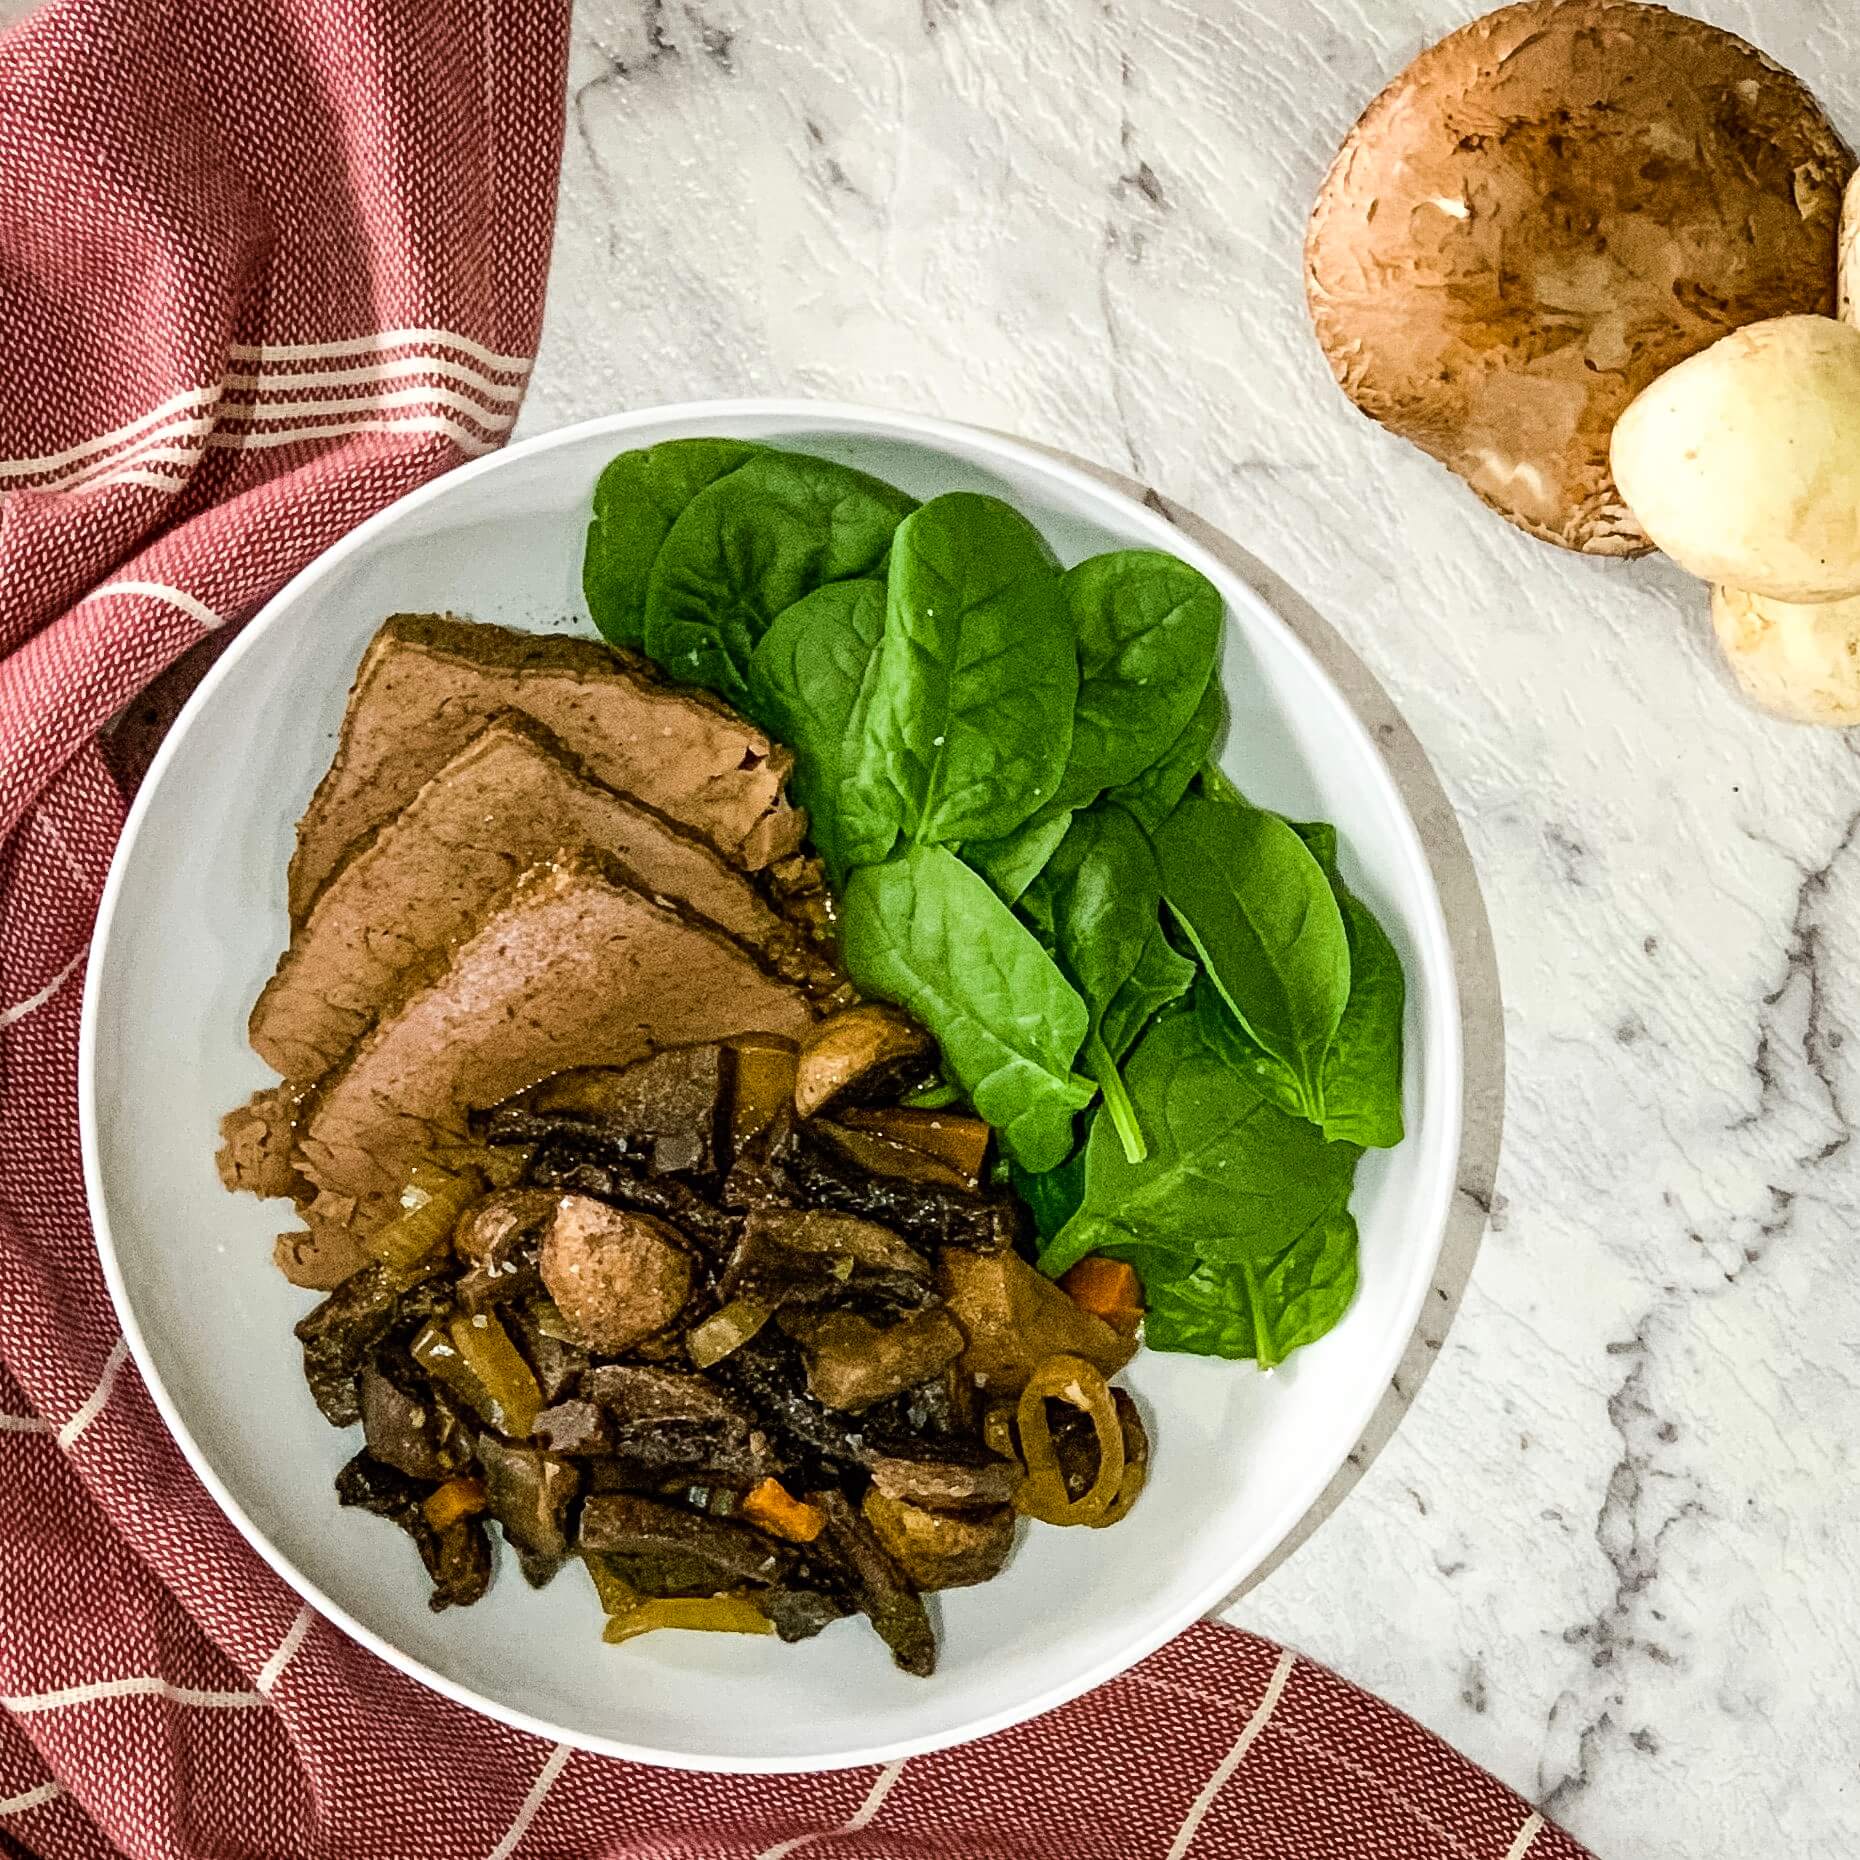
{"x":264,"y":266}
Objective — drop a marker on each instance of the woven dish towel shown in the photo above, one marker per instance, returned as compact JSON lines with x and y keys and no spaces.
{"x":265,"y":265}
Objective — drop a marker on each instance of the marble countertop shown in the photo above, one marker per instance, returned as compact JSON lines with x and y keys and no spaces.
{"x":1614,"y":1551}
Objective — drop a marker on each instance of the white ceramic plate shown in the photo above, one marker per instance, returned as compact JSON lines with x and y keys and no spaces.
{"x":194,"y":917}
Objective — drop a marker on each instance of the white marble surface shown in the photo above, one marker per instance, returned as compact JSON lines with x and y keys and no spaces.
{"x":1614,"y":1551}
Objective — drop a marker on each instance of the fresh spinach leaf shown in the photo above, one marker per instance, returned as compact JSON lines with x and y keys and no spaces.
{"x":1154,"y":794}
{"x":1229,"y":1176}
{"x":1362,"y":1069}
{"x":1148,"y":627}
{"x":1360,"y":1082}
{"x":1053,"y":1196}
{"x":749,"y":546}
{"x":1261,"y":1309}
{"x":1014,"y":861}
{"x":1257,"y":907}
{"x":810,"y":682}
{"x":1160,"y":978}
{"x":972,"y":714}
{"x":637,"y":499}
{"x":924,"y":931}
{"x":1101,"y":893}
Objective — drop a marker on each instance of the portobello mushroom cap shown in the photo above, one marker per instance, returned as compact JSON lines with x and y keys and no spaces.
{"x":1546,"y":211}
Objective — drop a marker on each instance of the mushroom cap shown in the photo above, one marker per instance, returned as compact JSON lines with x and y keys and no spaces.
{"x":1800,"y":663}
{"x":1743,"y":463}
{"x":1544,"y":212}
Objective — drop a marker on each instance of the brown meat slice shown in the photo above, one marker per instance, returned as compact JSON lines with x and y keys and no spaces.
{"x":422,"y":879}
{"x":429,"y":683}
{"x":258,"y":1144}
{"x":576,"y":967}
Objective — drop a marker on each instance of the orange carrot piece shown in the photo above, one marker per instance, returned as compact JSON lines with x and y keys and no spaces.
{"x":458,"y":1498}
{"x":1107,"y":1288}
{"x":772,"y":1506}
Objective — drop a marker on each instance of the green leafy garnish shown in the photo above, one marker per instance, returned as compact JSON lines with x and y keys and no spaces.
{"x":637,"y":499}
{"x":971,"y":711}
{"x":810,"y":682}
{"x":924,"y":931}
{"x":1255,"y":903}
{"x":749,"y":546}
{"x":1229,"y":1176}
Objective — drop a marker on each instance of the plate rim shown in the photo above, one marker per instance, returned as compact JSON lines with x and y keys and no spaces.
{"x":1434,"y":950}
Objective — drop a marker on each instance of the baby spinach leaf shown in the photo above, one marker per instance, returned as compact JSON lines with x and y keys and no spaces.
{"x":924,"y":931}
{"x":810,"y":682}
{"x":749,"y":546}
{"x":1148,"y":627}
{"x":1160,"y":978}
{"x":1261,"y":1309}
{"x":1360,"y":1081}
{"x":1100,"y":893}
{"x":1229,"y":1176}
{"x":1261,"y":915}
{"x":1053,"y":1196}
{"x":972,"y":713}
{"x":637,"y":499}
{"x":1153,"y":795}
{"x":1012,"y":862}
{"x":1362,"y":1070}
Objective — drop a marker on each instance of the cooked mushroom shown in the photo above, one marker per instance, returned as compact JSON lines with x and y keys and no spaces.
{"x":529,"y":1493}
{"x":941,"y":1549}
{"x":457,"y":1559}
{"x":865,"y":1049}
{"x":1543,"y":214}
{"x":409,"y":1425}
{"x":668,"y":1108}
{"x":852,"y":1363}
{"x":495,"y":1228}
{"x":946,"y":1478}
{"x":1016,"y":1317}
{"x":615,"y":1276}
{"x":879,"y":1587}
{"x":632,"y":1527}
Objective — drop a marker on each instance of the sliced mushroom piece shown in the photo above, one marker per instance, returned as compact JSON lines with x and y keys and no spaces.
{"x":789,"y":1254}
{"x":410,"y":1425}
{"x":1016,"y":1318}
{"x":940,"y":1147}
{"x":529,"y":1492}
{"x":710,"y":1227}
{"x":867,"y":1050}
{"x":668,"y":1109}
{"x":457,"y":1559}
{"x":946,"y":1478}
{"x":941,"y":1549}
{"x":800,"y":1613}
{"x":723,"y":1457}
{"x":339,"y":1334}
{"x":878,"y":1586}
{"x":497,"y":1227}
{"x":578,"y":1428}
{"x":853,"y":1363}
{"x":616,"y":1276}
{"x":625,"y":1525}
{"x":927,"y":1215}
{"x":636,"y":1393}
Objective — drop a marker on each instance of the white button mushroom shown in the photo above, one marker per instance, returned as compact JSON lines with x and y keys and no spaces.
{"x":1743,"y":463}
